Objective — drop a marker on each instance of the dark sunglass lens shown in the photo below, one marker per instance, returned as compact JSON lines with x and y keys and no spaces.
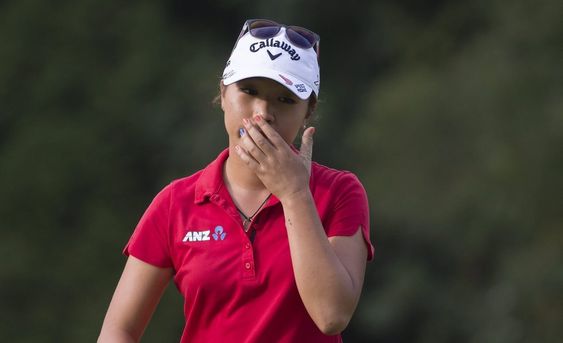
{"x":301,"y":39}
{"x":264,"y":32}
{"x":256,"y":23}
{"x":262,"y":28}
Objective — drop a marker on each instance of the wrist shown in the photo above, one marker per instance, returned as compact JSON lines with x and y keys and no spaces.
{"x":297,"y":198}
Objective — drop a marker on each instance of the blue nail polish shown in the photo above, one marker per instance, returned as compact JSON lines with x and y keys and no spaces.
{"x":241,"y":132}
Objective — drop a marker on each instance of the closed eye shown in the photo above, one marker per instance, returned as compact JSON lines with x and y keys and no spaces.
{"x":286,"y":100}
{"x":248,"y":90}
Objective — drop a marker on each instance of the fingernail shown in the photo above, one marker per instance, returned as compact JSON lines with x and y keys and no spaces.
{"x":257,"y":118}
{"x":241,"y":132}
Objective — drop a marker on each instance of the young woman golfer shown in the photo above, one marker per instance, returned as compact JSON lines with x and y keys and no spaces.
{"x":264,"y":244}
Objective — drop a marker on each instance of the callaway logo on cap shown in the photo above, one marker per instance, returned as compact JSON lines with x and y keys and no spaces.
{"x":275,"y":58}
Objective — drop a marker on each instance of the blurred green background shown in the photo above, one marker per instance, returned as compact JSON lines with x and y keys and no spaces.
{"x":449,"y":111}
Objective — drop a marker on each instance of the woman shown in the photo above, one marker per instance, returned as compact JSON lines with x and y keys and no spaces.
{"x":264,"y":245}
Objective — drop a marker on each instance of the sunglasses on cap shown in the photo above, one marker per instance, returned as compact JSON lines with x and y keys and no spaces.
{"x":264,"y":29}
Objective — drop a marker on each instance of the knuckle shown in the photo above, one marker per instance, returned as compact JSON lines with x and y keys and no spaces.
{"x":253,"y":149}
{"x":260,"y":141}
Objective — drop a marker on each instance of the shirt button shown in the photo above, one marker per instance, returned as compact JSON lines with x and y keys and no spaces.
{"x":247,"y":245}
{"x":247,"y":265}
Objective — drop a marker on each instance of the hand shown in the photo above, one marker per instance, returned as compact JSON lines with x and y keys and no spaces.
{"x":283,"y":172}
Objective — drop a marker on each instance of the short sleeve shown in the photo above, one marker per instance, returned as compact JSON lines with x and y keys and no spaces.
{"x":350,"y":210}
{"x":149,"y":241}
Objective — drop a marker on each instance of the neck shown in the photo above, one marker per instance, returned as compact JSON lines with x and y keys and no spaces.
{"x":247,"y":191}
{"x":239,"y":177}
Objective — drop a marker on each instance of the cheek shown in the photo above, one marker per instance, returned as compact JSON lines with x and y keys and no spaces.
{"x":290,"y":129}
{"x":233,"y":112}
{"x":233,"y":108}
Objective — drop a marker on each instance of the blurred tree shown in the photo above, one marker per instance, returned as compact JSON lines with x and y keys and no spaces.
{"x":461,"y":146}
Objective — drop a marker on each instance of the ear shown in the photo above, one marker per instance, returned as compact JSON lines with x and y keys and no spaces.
{"x":222,"y":93}
{"x":312,"y":107}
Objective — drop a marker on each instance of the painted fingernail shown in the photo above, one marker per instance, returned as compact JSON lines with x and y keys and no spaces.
{"x":257,"y":118}
{"x":241,"y":132}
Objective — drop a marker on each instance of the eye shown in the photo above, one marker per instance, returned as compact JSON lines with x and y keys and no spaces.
{"x":286,"y":100}
{"x":249,"y":90}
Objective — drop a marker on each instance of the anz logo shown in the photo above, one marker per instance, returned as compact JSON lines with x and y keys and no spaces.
{"x":219,"y":234}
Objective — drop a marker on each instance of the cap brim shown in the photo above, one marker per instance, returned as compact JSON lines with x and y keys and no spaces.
{"x":294,"y":84}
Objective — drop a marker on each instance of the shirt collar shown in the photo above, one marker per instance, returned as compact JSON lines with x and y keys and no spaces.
{"x":211,"y":179}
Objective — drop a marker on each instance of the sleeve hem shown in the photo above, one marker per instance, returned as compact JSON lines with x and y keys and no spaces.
{"x":347,"y":233}
{"x":155,"y":263}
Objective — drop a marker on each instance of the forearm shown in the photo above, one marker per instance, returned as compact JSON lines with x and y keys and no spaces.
{"x":325,"y":286}
{"x":114,"y":335}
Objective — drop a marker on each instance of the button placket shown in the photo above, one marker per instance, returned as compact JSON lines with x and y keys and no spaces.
{"x":248,"y":267}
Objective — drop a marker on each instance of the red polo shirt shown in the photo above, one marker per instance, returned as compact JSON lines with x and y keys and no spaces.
{"x":236,"y":290}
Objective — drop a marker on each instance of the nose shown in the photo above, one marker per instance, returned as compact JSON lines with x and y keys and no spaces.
{"x":265,"y":109}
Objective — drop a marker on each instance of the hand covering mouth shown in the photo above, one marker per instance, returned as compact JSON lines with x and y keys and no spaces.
{"x":242,"y":131}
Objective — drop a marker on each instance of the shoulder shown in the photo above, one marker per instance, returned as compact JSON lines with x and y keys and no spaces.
{"x":327,"y":177}
{"x":184,"y":183}
{"x":181,"y":188}
{"x":198,"y":185}
{"x":334,"y":189}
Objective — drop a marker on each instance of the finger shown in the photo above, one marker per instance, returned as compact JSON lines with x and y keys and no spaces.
{"x":272,"y":135}
{"x":306,"y":150}
{"x":253,"y":141}
{"x":246,"y":158}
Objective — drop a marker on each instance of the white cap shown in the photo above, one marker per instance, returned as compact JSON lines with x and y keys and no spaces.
{"x":277,"y":59}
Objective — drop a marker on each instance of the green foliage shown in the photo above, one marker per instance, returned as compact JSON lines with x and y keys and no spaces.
{"x":462,"y":158}
{"x":450,"y":112}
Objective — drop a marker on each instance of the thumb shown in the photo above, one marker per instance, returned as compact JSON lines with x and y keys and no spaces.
{"x":306,"y":150}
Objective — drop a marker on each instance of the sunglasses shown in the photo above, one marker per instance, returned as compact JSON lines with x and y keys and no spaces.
{"x":264,"y":29}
